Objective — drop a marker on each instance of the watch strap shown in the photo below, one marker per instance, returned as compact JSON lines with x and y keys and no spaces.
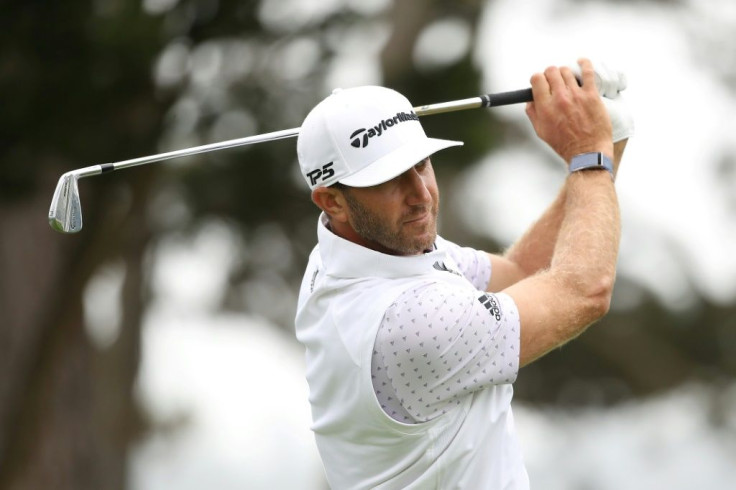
{"x":593,"y":160}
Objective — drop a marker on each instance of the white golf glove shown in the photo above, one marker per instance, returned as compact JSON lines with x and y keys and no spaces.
{"x":611,"y":83}
{"x":622,"y":122}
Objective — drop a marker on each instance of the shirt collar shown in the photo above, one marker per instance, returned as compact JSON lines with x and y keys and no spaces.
{"x":343,"y":258}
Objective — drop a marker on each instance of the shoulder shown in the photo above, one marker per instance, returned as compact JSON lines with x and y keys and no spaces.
{"x":474,"y":264}
{"x":434,"y":305}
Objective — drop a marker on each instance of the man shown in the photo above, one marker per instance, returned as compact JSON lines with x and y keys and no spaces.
{"x":412,"y":342}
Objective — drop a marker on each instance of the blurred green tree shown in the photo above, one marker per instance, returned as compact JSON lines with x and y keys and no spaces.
{"x":77,"y":85}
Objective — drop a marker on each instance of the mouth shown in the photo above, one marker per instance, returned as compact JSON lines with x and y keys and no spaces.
{"x":420,"y":219}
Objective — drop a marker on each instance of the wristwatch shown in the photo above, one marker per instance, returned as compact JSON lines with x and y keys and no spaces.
{"x":594,"y":160}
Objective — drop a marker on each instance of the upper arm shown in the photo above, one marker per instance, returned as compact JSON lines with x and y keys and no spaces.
{"x":437,"y":343}
{"x":551,"y":313}
{"x":541,"y":307}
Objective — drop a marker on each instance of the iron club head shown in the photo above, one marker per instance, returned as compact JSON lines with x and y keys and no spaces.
{"x":65,"y":213}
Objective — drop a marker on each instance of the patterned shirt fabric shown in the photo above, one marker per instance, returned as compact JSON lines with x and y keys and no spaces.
{"x":438,"y":343}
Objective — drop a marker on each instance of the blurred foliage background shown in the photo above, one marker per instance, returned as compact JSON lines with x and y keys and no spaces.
{"x":93,"y":81}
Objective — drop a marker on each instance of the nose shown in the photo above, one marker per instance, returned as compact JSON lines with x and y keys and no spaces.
{"x":416,"y":188}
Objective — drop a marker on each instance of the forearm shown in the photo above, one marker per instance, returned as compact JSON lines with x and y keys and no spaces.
{"x":588,"y":241}
{"x":576,"y":290}
{"x":533,"y":251}
{"x":618,"y":153}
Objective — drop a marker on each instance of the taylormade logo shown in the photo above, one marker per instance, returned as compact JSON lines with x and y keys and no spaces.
{"x":361,"y":137}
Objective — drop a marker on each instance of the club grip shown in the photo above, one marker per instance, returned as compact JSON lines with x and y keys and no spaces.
{"x":507,"y":98}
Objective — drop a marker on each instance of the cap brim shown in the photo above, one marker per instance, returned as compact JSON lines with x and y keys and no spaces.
{"x":397,"y":162}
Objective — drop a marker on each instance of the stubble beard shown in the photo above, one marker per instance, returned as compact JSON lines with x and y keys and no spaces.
{"x":393,"y":236}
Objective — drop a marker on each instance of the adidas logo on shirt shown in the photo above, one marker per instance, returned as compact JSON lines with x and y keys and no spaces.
{"x":491,"y":304}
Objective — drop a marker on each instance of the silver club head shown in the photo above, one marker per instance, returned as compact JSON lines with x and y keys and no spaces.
{"x":65,"y":213}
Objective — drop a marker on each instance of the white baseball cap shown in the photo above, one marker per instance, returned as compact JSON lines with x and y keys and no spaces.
{"x":361,"y":137}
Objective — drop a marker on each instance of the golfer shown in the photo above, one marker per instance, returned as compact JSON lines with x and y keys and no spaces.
{"x":412,"y":342}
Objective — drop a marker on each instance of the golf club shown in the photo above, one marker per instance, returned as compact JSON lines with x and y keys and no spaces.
{"x":65,"y":213}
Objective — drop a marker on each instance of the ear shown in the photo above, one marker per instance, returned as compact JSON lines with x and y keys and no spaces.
{"x":332,"y":202}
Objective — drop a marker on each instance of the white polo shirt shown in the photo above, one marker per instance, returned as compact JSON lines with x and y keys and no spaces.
{"x":461,"y":435}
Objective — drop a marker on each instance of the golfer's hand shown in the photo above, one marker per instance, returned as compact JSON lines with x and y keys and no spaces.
{"x":611,"y":83}
{"x":571,"y":119}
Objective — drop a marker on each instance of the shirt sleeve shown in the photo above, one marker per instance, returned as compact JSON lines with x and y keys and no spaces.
{"x":438,"y":343}
{"x":474,"y":264}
